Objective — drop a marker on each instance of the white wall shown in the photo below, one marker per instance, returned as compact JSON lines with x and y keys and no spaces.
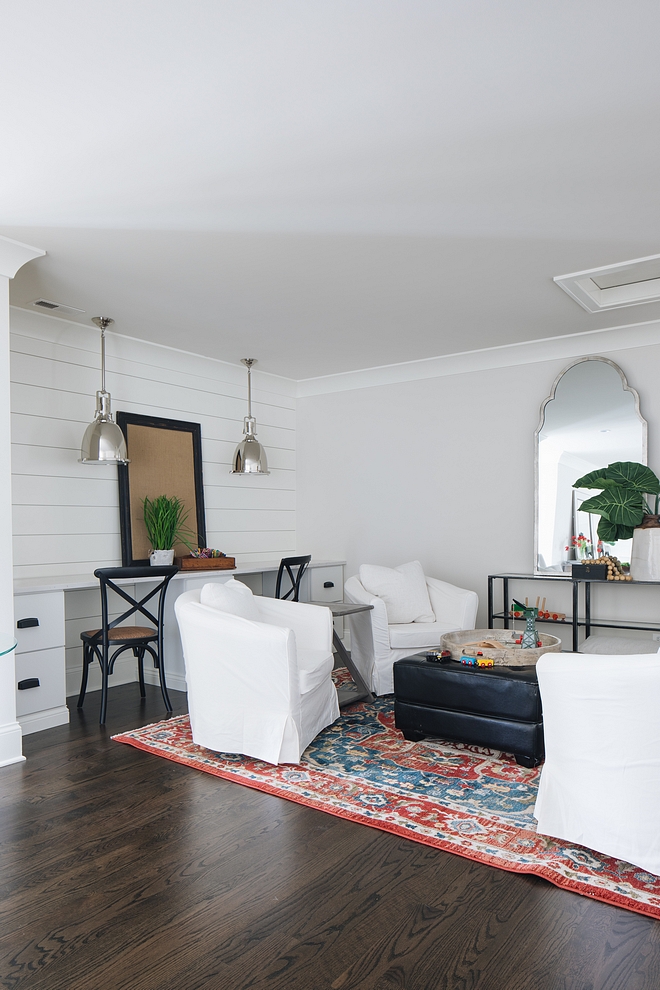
{"x":441,"y":470}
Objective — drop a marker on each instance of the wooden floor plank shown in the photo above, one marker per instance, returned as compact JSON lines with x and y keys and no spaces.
{"x":124,"y":870}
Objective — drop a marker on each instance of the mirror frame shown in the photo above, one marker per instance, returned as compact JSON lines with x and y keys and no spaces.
{"x":626,"y":388}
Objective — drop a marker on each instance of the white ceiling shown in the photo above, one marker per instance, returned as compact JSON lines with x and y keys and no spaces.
{"x":329,"y":186}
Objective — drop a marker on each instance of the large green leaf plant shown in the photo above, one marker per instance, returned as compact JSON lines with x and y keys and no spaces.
{"x":622,"y":503}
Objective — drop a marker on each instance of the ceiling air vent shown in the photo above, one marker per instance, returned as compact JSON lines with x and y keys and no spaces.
{"x":630,"y":283}
{"x":49,"y":306}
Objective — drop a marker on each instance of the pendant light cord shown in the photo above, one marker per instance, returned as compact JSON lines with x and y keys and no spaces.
{"x":103,"y":359}
{"x":248,"y":362}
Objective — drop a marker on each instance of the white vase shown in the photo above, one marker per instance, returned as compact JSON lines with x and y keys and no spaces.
{"x":161,"y":558}
{"x":645,"y":558}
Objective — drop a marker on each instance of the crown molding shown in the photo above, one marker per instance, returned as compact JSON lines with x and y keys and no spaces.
{"x":15,"y":254}
{"x":489,"y":358}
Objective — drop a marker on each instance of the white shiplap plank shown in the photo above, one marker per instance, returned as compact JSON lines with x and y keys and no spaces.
{"x":55,"y":462}
{"x":218,"y":474}
{"x":83,"y":604}
{"x":63,"y":520}
{"x":244,"y":497}
{"x":43,"y":490}
{"x":74,"y":627}
{"x":88,"y":551}
{"x":42,"y":431}
{"x":255,"y":520}
{"x":59,"y":569}
{"x":235,"y":544}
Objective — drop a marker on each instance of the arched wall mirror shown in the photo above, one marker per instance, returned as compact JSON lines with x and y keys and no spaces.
{"x":590,"y":419}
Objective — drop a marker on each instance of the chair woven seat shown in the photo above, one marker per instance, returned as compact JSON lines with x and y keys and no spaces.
{"x":124,"y":633}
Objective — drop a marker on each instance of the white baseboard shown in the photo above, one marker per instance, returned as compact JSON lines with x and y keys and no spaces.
{"x":175,"y":681}
{"x":10,"y":744}
{"x":47,"y":719}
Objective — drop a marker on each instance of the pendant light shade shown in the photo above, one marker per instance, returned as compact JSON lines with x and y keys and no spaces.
{"x":103,"y":442}
{"x":249,"y":456}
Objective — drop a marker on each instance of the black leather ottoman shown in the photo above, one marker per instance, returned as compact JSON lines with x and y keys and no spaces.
{"x":497,"y":707}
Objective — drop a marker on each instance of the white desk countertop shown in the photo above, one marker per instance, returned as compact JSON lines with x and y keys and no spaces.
{"x":78,"y":582}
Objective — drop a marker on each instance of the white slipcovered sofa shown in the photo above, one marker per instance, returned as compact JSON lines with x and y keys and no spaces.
{"x":258,"y":671}
{"x":377,"y":641}
{"x":600,"y":784}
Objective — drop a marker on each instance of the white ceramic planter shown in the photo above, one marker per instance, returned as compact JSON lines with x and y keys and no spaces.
{"x":165,"y":558}
{"x":645,"y":559}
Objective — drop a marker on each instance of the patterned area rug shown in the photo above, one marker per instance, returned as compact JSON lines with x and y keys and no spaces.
{"x":473,"y":802}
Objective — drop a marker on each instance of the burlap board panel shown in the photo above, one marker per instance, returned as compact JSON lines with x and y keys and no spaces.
{"x":161,"y":463}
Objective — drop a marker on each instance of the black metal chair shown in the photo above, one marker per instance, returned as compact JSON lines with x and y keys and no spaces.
{"x":98,"y":643}
{"x":289,"y":564}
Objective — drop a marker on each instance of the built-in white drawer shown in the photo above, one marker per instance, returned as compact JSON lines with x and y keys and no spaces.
{"x":326,"y":584}
{"x":46,"y":667}
{"x":39,"y":621}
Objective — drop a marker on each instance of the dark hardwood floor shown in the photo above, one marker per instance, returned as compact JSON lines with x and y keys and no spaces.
{"x":123,"y":871}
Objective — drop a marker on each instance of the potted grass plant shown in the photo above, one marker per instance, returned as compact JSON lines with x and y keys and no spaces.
{"x":165,"y":521}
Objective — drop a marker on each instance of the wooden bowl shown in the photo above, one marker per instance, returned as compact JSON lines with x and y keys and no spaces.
{"x":509,"y":655}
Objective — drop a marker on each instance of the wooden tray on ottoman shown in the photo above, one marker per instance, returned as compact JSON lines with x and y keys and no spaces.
{"x":206,"y":563}
{"x":508,"y":655}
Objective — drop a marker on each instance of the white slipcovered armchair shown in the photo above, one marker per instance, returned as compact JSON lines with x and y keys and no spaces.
{"x":376,"y":641}
{"x":258,"y":685}
{"x":600,"y":784}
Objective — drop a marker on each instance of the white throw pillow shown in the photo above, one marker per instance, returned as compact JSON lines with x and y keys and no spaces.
{"x":402,"y":588}
{"x":232,"y":596}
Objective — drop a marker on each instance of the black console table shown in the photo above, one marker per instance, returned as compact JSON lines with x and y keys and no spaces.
{"x":574,"y":620}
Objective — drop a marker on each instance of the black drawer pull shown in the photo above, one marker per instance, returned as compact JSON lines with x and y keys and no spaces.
{"x":27,"y":623}
{"x":328,"y":584}
{"x":29,"y":682}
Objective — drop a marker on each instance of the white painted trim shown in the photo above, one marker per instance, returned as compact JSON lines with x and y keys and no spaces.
{"x":15,"y":254}
{"x":47,"y":719}
{"x":581,"y":287}
{"x":487,"y":358}
{"x":10,"y":744}
{"x":175,"y":682}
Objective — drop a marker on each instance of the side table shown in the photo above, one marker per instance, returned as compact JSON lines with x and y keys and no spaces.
{"x":346,"y":695}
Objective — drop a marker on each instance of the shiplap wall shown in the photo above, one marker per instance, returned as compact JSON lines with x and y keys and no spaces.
{"x":66,"y":514}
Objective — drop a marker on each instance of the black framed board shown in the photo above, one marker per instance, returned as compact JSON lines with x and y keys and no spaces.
{"x":165,"y":458}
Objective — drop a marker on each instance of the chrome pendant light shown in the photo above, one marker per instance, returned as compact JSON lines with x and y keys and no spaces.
{"x":103,"y":442}
{"x":249,"y":456}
